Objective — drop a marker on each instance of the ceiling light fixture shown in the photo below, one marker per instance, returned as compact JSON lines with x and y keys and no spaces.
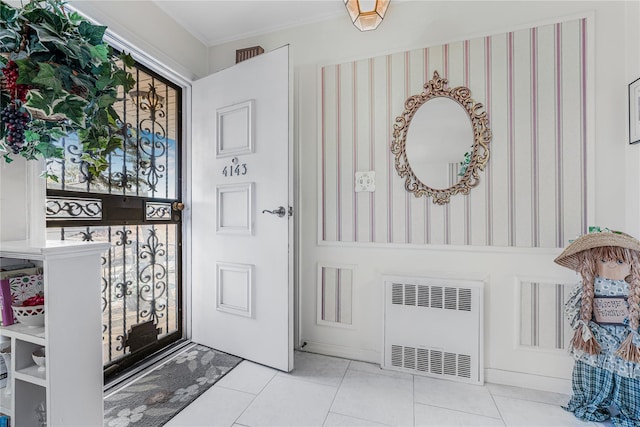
{"x":366,"y":14}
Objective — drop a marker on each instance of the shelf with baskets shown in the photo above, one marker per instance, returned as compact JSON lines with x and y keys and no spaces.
{"x":55,"y":370}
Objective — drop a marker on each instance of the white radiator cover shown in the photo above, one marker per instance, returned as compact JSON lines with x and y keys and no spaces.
{"x":434,"y":327}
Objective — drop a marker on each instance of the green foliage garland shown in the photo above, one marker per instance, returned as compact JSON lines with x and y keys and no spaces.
{"x":59,"y":77}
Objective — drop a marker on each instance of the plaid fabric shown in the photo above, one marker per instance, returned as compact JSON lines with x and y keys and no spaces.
{"x":626,"y":396}
{"x":595,"y":390}
{"x":592,"y":392}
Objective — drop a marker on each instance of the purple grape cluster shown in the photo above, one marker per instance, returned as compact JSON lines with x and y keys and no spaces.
{"x":16,"y":91}
{"x":16,"y":122}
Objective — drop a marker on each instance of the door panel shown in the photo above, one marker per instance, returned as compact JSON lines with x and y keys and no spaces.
{"x":241,"y":285}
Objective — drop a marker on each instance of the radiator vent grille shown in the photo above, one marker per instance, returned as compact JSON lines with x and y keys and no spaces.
{"x":434,"y":327}
{"x":449,"y":298}
{"x":436,"y":297}
{"x":423,"y":296}
{"x":432,"y":361}
{"x":464,"y":299}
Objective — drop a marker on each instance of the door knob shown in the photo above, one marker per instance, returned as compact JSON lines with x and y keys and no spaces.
{"x":281,"y":211}
{"x":177,"y":206}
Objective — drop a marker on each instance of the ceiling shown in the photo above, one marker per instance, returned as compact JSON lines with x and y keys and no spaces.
{"x":214,"y":22}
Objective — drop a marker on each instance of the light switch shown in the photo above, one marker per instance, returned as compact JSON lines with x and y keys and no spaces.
{"x":365,"y":181}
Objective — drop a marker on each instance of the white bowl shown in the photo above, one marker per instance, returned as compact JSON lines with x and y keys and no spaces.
{"x":40,"y":358}
{"x":30,"y":316}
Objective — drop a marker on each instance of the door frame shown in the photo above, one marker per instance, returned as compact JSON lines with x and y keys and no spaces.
{"x":185,"y":84}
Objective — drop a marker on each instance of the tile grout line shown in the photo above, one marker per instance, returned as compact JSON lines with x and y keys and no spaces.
{"x":252,"y":400}
{"x":461,"y":412}
{"x":337,"y":390}
{"x":497,"y":407}
{"x":336,"y":393}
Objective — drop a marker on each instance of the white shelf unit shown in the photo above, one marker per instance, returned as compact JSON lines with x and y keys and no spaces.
{"x":71,"y":384}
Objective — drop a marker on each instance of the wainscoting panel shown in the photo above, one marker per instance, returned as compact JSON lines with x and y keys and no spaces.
{"x":533,"y":85}
{"x":335,"y":295}
{"x":542,"y":321}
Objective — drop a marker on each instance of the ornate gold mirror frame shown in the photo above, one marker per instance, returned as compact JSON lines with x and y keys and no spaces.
{"x":479,"y":155}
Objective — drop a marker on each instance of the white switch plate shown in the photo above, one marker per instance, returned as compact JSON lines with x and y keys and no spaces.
{"x":365,"y":181}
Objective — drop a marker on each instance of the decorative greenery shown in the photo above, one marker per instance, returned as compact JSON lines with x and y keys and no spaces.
{"x":59,"y":78}
{"x":465,"y":163}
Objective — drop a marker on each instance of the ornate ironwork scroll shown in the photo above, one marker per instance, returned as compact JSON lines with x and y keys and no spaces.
{"x":130,"y":206}
{"x":155,"y":211}
{"x":73,"y":208}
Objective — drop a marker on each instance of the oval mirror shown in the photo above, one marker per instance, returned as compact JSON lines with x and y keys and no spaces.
{"x":441,"y":141}
{"x":437,"y":140}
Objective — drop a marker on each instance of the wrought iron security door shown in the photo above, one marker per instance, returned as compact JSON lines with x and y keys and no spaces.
{"x":135,"y":205}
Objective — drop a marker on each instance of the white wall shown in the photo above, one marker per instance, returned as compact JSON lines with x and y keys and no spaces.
{"x":613,"y":63}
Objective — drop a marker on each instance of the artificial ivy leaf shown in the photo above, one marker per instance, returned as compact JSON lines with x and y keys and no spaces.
{"x":75,"y":18}
{"x":36,"y":100}
{"x":9,"y":39}
{"x":27,"y":71}
{"x":35,"y":46}
{"x":99,"y":53}
{"x":106,"y":100}
{"x":52,"y":177}
{"x":44,"y":35}
{"x":93,"y":33}
{"x":71,"y":50}
{"x":112,"y":115}
{"x":31,"y":136}
{"x":51,"y":29}
{"x":41,"y":15}
{"x":124,"y":79}
{"x":65,"y":75}
{"x":127,"y":60}
{"x":72,"y":107}
{"x":103,"y":82}
{"x":47,"y":78}
{"x":7,"y":13}
{"x":57,"y":133}
{"x":113,"y":144}
{"x":49,"y":150}
{"x":84,"y":82}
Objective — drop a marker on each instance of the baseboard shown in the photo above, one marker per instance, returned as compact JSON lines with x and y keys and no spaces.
{"x":536,"y":382}
{"x":496,"y":376}
{"x":351,"y":353}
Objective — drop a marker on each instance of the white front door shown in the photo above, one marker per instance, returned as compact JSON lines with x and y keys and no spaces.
{"x":242,"y":291}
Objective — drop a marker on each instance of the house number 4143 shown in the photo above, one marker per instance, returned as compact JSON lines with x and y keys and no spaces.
{"x":235,"y":168}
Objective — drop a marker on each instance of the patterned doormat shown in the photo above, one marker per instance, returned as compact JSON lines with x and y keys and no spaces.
{"x":158,"y":396}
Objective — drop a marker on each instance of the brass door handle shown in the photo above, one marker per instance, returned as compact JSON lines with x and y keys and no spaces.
{"x":177,"y":206}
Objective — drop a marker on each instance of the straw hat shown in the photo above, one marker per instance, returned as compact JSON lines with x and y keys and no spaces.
{"x":569,"y":257}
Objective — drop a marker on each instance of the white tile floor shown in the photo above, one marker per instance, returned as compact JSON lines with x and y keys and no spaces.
{"x":330,"y":392}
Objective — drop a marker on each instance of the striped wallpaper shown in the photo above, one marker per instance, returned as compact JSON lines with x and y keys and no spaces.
{"x":533,"y":192}
{"x":542,"y":320}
